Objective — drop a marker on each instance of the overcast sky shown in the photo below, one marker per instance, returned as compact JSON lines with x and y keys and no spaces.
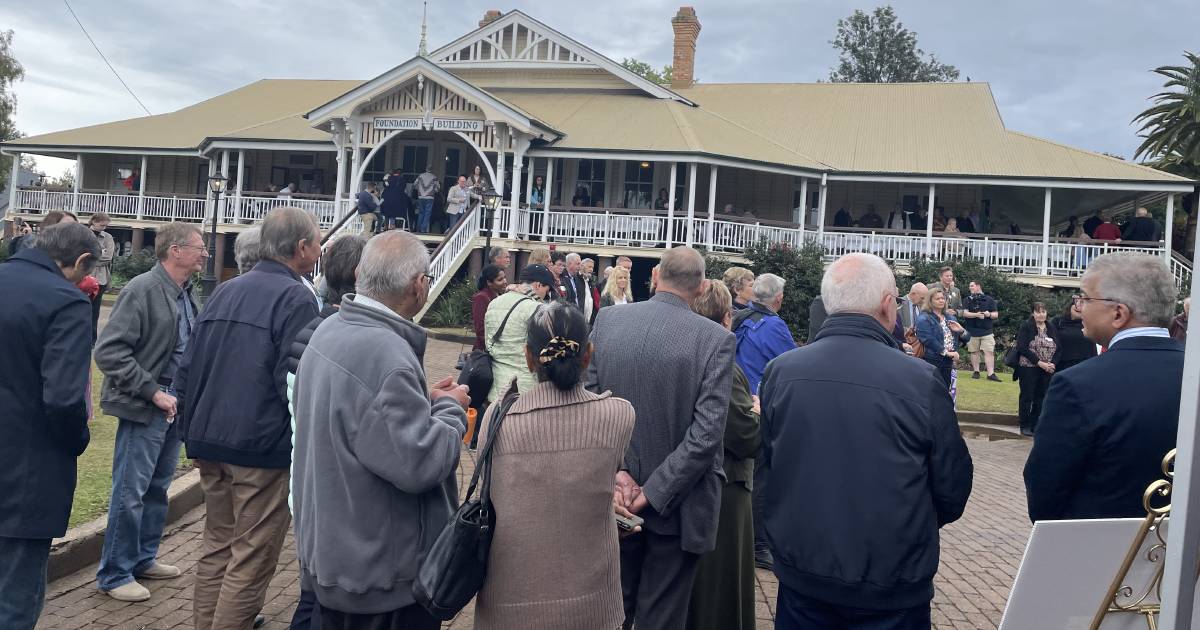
{"x":1073,"y":71}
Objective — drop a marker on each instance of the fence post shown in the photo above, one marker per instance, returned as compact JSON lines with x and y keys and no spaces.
{"x":174,"y":207}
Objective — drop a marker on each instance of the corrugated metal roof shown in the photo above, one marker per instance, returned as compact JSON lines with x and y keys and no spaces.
{"x":905,"y":129}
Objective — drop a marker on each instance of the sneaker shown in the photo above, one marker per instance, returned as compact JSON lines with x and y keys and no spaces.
{"x":129,"y":592}
{"x":1026,"y":431}
{"x":975,"y":375}
{"x":764,"y":560}
{"x":259,"y":620}
{"x":159,"y":571}
{"x":993,"y":377}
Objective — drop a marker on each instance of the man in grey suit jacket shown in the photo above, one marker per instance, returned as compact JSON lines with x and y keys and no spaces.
{"x":674,"y":367}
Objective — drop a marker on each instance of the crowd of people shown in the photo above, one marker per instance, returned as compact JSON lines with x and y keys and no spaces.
{"x":306,"y":407}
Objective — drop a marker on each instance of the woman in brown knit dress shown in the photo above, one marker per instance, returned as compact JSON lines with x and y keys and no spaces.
{"x":554,"y":560}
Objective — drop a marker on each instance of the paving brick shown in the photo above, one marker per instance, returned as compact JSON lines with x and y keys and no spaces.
{"x":980,"y":555}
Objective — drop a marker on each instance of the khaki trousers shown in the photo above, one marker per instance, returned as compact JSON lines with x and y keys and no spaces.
{"x":245,"y":523}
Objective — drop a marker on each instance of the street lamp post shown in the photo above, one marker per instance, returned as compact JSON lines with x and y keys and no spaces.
{"x":216,"y":184}
{"x":491,"y":200}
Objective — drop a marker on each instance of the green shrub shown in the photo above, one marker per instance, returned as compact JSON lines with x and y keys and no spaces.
{"x":452,"y":307}
{"x":126,"y":268}
{"x":3,"y":250}
{"x":800,"y":268}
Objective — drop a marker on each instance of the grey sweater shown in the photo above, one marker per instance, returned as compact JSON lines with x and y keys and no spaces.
{"x":136,"y":345}
{"x":374,"y":461}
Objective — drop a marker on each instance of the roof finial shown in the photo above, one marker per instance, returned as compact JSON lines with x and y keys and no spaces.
{"x":422,"y":50}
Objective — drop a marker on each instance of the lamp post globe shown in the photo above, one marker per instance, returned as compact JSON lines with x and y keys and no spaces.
{"x":216,"y":184}
{"x":491,"y":200}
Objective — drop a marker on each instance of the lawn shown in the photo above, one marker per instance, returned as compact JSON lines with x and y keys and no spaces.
{"x":95,"y":465}
{"x":985,"y":395}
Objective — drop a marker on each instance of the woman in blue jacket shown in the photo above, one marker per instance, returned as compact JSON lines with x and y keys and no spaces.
{"x":941,"y":334}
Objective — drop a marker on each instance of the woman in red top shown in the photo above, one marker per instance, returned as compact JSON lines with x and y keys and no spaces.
{"x":1107,"y":231}
{"x":492,"y":282}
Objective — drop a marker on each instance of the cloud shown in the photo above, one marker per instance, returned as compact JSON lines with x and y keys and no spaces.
{"x":1070,"y":73}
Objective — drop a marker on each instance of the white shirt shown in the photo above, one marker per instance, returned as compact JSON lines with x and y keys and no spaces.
{"x":363,"y":300}
{"x":1140,"y":331}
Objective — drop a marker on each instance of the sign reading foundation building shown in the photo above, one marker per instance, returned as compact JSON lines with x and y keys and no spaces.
{"x":437,"y":124}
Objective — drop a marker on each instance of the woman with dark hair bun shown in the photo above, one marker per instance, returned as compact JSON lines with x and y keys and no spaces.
{"x":552,"y":471}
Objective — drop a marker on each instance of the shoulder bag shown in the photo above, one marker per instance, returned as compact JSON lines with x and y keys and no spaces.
{"x":477,"y":366}
{"x":454,"y":569}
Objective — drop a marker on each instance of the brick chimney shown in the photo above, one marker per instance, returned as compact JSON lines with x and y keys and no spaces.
{"x":491,"y":16}
{"x":687,"y":30}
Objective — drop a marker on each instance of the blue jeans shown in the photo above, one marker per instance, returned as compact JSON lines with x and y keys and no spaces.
{"x":426,"y":206}
{"x":22,"y":581}
{"x":144,"y":462}
{"x":452,"y":220}
{"x":798,"y":612}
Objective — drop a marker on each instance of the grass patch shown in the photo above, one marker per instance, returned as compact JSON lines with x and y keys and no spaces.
{"x":94,"y":485}
{"x":985,"y":395}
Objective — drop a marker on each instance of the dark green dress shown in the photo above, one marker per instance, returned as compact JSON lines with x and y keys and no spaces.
{"x":723,"y":594}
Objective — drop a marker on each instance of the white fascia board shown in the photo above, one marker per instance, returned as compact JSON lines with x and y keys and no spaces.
{"x":1087,"y":184}
{"x":268,"y":145}
{"x":686,"y":158}
{"x":52,"y":151}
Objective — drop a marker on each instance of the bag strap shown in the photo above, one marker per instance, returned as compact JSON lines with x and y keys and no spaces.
{"x":504,"y":322}
{"x":485,"y":456}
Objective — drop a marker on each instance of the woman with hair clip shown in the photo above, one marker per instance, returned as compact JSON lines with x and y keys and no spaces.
{"x":554,"y":555}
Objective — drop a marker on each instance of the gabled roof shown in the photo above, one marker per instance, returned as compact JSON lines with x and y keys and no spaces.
{"x":344,"y":104}
{"x":498,"y":44}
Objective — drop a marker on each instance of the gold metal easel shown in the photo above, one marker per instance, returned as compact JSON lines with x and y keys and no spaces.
{"x":1122,"y":598}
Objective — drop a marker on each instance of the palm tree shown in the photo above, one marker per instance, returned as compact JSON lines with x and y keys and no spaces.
{"x":1171,"y":133}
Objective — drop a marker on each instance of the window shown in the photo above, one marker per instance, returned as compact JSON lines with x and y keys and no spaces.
{"x":681,"y":178}
{"x":413,"y":159}
{"x":452,"y":169}
{"x":377,"y":167}
{"x":639,"y":184}
{"x":589,"y":184}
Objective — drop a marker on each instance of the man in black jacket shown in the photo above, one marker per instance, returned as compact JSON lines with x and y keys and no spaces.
{"x":1107,"y":422}
{"x":1141,"y":228}
{"x":47,"y":323}
{"x":232,"y":396}
{"x":863,"y":463}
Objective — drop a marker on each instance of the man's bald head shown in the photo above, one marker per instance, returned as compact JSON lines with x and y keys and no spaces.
{"x":1142,"y":212}
{"x":917,"y":293}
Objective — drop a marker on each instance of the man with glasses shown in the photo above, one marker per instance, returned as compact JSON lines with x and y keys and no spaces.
{"x":1106,"y":423}
{"x":139,"y":352}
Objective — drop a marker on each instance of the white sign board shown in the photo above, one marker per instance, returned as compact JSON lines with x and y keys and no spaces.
{"x":1066,"y":571}
{"x":454,"y":124}
{"x":397,"y":123}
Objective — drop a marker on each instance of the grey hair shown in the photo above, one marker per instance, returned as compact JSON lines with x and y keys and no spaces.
{"x":681,"y":268}
{"x":172,"y":234}
{"x":389,"y":265}
{"x":767,"y":286}
{"x":1139,"y":281}
{"x":247,"y":249}
{"x":573,"y":257}
{"x":64,"y":243}
{"x":495,"y":253}
{"x":282,"y":229}
{"x":855,"y":283}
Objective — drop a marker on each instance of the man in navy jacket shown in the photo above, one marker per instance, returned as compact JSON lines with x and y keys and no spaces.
{"x":863,"y":462}
{"x":1108,"y":422}
{"x":46,"y":323}
{"x":232,"y":390}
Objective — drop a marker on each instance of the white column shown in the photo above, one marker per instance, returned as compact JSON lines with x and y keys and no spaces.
{"x":78,"y":180}
{"x":1169,"y":228}
{"x":1046,"y":234}
{"x":689,"y":235}
{"x":821,"y":197}
{"x":141,"y":206}
{"x":208,"y":202}
{"x":355,"y":158}
{"x":339,"y":185}
{"x":803,"y":204}
{"x":223,"y":210}
{"x":501,"y":147}
{"x":929,"y":221}
{"x":546,"y":198}
{"x":237,"y":192}
{"x":12,"y":183}
{"x":671,"y":202}
{"x":712,"y":205}
{"x":520,"y":146}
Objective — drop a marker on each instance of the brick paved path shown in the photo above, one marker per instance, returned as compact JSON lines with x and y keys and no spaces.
{"x":980,"y":554}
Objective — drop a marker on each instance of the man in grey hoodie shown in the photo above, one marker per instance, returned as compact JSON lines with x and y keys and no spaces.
{"x":376,"y":448}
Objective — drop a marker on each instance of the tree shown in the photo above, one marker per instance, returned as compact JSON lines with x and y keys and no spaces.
{"x":877,"y":48}
{"x":1170,"y":133}
{"x":11,"y":71}
{"x":646,"y":71}
{"x":66,"y":180}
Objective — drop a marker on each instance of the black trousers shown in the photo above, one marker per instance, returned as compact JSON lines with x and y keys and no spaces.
{"x":412,"y":617}
{"x":656,"y":581}
{"x":308,"y":612}
{"x":1033,"y":381}
{"x":797,"y":612}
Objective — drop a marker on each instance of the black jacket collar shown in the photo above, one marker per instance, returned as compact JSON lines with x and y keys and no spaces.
{"x":39,"y":258}
{"x":277,"y":268}
{"x":855,"y":325}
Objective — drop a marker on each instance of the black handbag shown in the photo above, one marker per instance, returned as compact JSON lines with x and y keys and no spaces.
{"x":1012,"y":358}
{"x":477,"y":366}
{"x":453,"y":571}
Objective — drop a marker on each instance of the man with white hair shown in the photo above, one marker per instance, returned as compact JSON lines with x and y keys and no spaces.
{"x":863,"y":462}
{"x":577,"y":287}
{"x":1142,"y":228}
{"x":761,"y":333}
{"x":373,"y":439}
{"x":1106,"y":423}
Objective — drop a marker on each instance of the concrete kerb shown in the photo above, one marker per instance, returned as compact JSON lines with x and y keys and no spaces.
{"x":81,"y":546}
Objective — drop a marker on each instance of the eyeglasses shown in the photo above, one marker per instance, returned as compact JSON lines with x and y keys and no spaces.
{"x":199,"y":247}
{"x":1078,"y":300}
{"x":428,"y":277}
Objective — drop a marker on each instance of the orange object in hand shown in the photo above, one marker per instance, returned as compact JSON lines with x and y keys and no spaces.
{"x":471,"y":415}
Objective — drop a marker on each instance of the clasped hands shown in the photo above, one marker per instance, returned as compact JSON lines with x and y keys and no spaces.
{"x":628,"y":498}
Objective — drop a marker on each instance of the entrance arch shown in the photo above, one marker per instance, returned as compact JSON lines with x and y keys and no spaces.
{"x":356,"y":182}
